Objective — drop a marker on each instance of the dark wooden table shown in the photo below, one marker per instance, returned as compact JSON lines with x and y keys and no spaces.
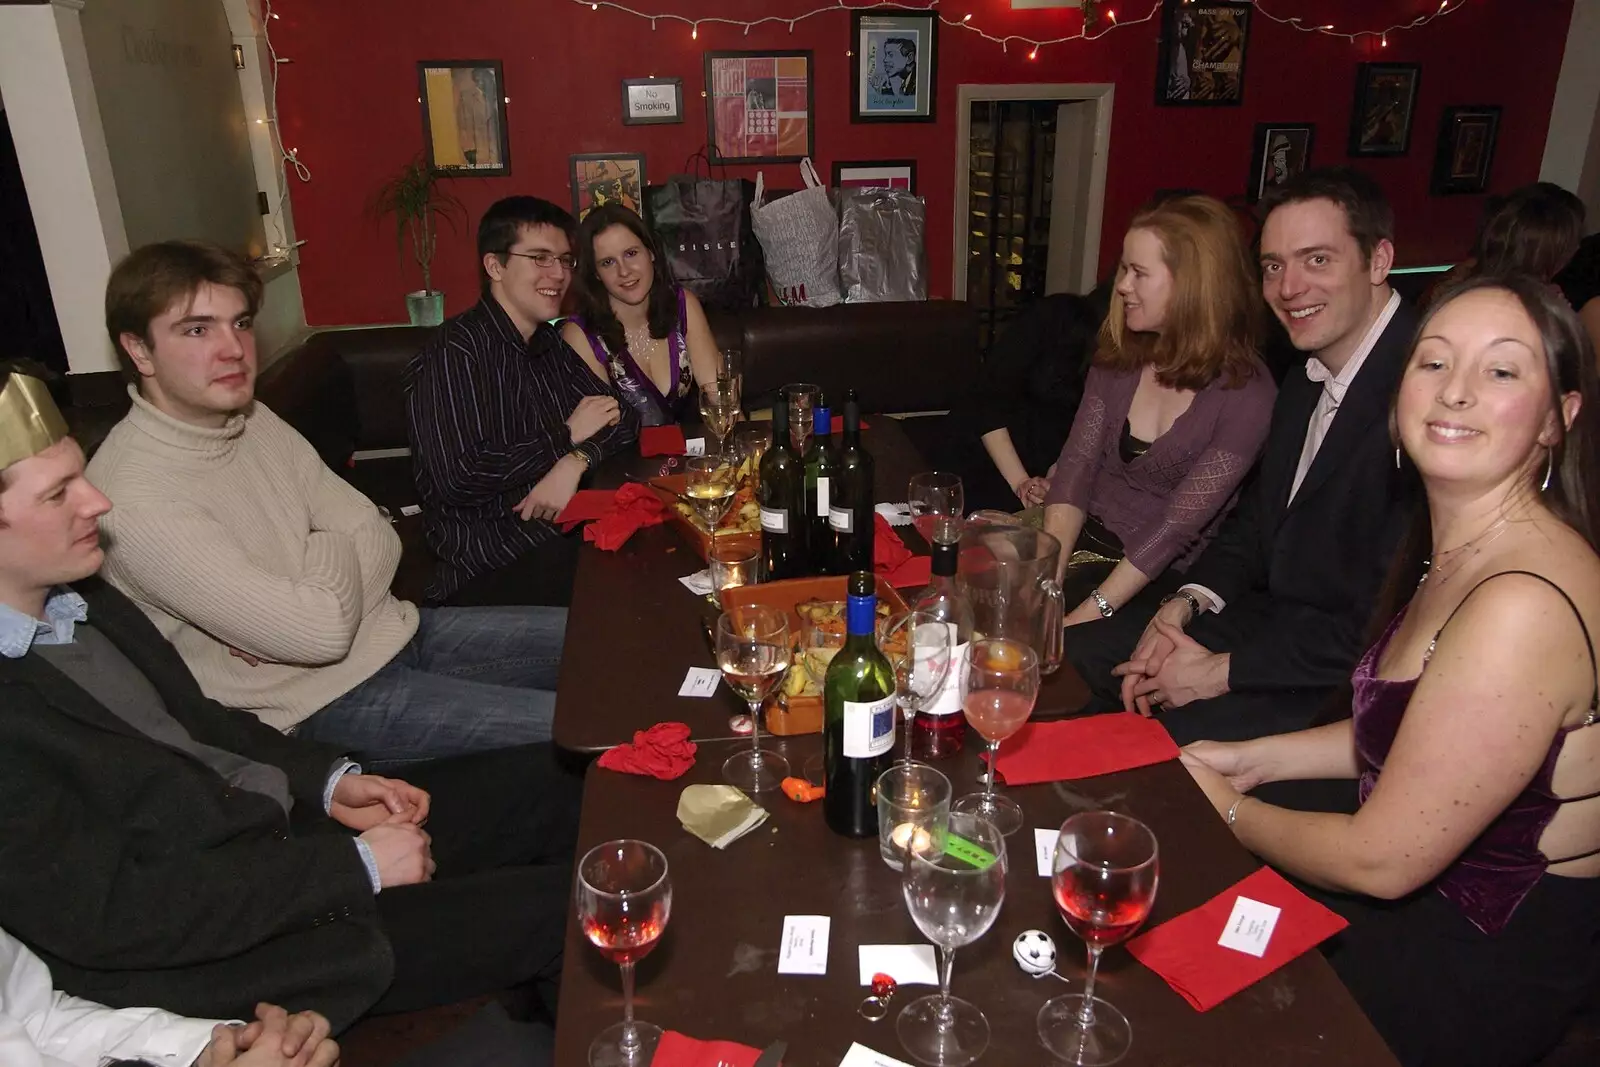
{"x":714,"y":974}
{"x":633,"y":629}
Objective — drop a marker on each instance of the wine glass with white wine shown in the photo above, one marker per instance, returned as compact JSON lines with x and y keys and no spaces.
{"x":753,"y":652}
{"x":719,"y":407}
{"x":709,"y":487}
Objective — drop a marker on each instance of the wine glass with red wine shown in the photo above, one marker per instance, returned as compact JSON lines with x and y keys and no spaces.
{"x":624,"y":899}
{"x":1105,"y":874}
{"x":997,"y":696}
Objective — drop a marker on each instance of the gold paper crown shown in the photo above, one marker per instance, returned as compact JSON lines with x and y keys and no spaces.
{"x":30,"y":422}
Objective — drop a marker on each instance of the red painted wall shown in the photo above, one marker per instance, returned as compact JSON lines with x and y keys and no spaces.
{"x":348,"y":103}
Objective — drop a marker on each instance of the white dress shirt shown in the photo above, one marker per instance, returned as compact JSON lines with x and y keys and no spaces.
{"x":1334,"y":387}
{"x":40,"y":1027}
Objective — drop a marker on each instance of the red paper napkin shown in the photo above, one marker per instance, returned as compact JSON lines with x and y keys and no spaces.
{"x":585,"y":505}
{"x":894,"y":561}
{"x":1084,"y":748}
{"x":1184,"y":951}
{"x":676,"y":1050}
{"x":662,"y":441}
{"x":632,"y":507}
{"x":837,"y":426}
{"x":664,"y":751}
{"x":914,"y":573}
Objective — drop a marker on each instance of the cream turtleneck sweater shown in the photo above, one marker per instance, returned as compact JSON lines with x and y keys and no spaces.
{"x":242,"y":538}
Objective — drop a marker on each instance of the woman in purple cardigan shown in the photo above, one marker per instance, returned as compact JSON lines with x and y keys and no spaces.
{"x":1174,"y":412}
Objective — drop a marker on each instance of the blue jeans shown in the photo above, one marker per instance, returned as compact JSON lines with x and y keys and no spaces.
{"x":470,"y":679}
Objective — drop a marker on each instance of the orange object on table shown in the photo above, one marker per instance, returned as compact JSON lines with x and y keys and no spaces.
{"x":801,"y":791}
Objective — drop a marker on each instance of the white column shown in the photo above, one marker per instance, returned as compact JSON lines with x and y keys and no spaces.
{"x":1572,"y":147}
{"x":55,"y":122}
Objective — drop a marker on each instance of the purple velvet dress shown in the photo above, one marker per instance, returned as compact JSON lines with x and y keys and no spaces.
{"x":634,"y":386}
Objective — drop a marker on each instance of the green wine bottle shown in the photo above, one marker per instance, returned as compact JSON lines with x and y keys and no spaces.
{"x":850,"y":511}
{"x":859,"y":723}
{"x":822,"y":469}
{"x":781,"y":495}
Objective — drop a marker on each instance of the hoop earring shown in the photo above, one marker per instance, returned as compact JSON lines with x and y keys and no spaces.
{"x":1396,"y":457}
{"x":1549,"y":468}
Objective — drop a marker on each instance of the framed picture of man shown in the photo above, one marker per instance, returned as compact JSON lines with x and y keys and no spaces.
{"x":759,"y":106}
{"x":876,"y":174}
{"x":1466,"y":149}
{"x":1386,"y":102}
{"x":1282,"y":151}
{"x":1203,"y":46}
{"x":606,"y":178}
{"x":893,"y":57}
{"x":464,"y":116}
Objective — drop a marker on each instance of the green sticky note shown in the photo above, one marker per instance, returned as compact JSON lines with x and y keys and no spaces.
{"x":962,"y":849}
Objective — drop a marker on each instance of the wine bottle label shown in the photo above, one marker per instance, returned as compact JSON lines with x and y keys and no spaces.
{"x":948,"y":702}
{"x":822,"y":497}
{"x":841,"y":519}
{"x":775,"y":520}
{"x":868,"y":728}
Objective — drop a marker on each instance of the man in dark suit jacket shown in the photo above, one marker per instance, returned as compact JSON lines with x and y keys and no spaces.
{"x":157,"y":848}
{"x":1274,"y":614}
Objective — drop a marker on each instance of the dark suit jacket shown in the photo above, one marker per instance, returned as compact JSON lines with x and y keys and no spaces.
{"x":1308,"y":572}
{"x":142,"y":878}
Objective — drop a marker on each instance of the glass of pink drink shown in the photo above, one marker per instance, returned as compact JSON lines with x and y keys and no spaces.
{"x":624,"y":898}
{"x":1001,"y":686}
{"x":1104,"y":878}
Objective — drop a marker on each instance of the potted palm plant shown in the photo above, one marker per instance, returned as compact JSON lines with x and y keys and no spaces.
{"x":418,"y":203}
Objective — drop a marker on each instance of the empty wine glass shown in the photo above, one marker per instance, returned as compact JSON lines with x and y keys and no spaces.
{"x":749,"y":445}
{"x":953,"y":889}
{"x":1106,"y":870}
{"x":719,"y":407}
{"x":624,"y":899}
{"x":709,"y":487}
{"x":997,"y":697}
{"x":803,"y":401}
{"x":936,"y":500}
{"x":917,"y":646}
{"x":753,"y":652}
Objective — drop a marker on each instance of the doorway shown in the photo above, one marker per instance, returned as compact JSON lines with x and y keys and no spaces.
{"x":1030,"y":191}
{"x":27,"y":313}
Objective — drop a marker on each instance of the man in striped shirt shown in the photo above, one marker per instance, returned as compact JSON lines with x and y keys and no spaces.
{"x":506,"y":419}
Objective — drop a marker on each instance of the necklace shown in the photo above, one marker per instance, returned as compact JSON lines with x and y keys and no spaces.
{"x":640,"y":343}
{"x":1447,"y":563}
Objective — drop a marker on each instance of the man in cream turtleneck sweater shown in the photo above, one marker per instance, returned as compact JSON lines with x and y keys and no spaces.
{"x":267,"y":571}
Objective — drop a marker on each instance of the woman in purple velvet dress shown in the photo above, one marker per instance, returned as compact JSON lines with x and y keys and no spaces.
{"x":1174,"y":413}
{"x":1469,"y":866}
{"x":648,"y":337}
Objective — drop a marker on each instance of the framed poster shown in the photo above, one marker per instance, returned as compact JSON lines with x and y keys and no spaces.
{"x":1466,"y":149}
{"x":759,"y":106}
{"x":651,"y":101}
{"x":464,"y":116}
{"x":1386,"y":102}
{"x":876,"y":174}
{"x":893,"y":57}
{"x":606,"y":178}
{"x":1203,"y":45}
{"x":1282,"y":151}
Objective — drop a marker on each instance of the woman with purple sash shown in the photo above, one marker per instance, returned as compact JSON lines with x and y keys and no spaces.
{"x":636,"y":329}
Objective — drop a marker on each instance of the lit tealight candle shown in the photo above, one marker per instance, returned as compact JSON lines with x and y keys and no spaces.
{"x":910,"y":833}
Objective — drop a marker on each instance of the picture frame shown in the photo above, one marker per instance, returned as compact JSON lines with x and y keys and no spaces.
{"x":464,"y":124}
{"x":1384,"y":110}
{"x":1282,"y":150}
{"x":652,"y":101}
{"x":760,"y":106}
{"x":876,"y":174}
{"x":1465,"y":155}
{"x":1201,"y":62}
{"x":894,"y":55}
{"x":604,"y":178}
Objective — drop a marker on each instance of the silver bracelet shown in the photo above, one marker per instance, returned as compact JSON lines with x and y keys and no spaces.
{"x":1100,"y":601}
{"x":1233,"y":812}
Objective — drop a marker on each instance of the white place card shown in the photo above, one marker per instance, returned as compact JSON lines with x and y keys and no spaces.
{"x":698,"y":583}
{"x":1044,"y":845}
{"x":694,"y":446}
{"x":700,"y":682}
{"x":1250,"y":926}
{"x":862,"y":1056}
{"x":804,"y":949}
{"x":906,"y":964}
{"x":897,"y":514}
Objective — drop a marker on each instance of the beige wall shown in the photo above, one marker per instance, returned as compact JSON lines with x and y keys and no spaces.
{"x":1572,"y":147}
{"x":174,"y":120}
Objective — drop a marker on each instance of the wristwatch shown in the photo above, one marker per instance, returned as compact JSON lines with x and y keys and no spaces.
{"x":1106,"y":610}
{"x":1184,"y":594}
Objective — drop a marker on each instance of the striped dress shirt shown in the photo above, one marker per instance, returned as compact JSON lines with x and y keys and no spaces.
{"x":488,"y":418}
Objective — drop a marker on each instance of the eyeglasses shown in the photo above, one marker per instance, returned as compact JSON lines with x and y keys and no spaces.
{"x":546,"y":260}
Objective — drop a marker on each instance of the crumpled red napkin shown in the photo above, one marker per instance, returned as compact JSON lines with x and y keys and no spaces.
{"x":1184,"y":950}
{"x":664,"y":751}
{"x":1083,"y":748}
{"x":585,"y":506}
{"x":677,"y":1050}
{"x":891,"y":559}
{"x":662,"y":441}
{"x":634,"y":506}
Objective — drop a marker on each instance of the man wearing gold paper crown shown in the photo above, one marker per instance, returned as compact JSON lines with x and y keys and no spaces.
{"x":268,"y":571}
{"x":158,"y":848}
